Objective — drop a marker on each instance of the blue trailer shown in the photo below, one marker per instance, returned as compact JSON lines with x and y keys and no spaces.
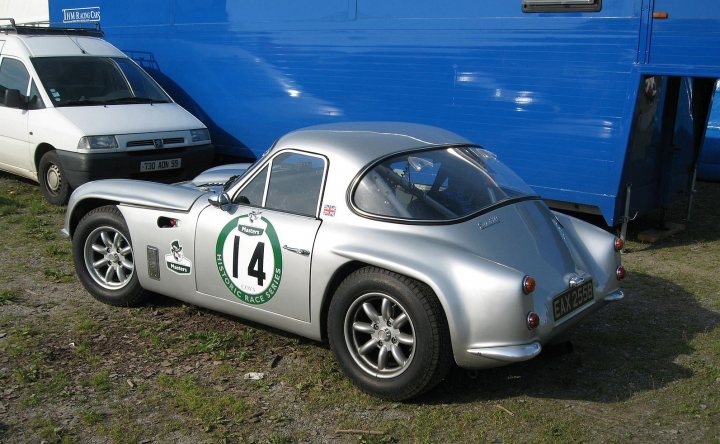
{"x":709,"y":165}
{"x":600,"y":106}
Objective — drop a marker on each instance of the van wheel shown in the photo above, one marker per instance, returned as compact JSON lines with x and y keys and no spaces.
{"x":389,"y":334}
{"x":53,"y":182}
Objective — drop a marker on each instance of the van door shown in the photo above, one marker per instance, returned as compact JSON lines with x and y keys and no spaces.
{"x":14,"y":141}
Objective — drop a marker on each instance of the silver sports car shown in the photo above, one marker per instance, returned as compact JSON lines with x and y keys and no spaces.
{"x":407,"y":247}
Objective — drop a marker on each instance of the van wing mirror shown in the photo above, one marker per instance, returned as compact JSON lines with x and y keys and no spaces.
{"x":13,"y":99}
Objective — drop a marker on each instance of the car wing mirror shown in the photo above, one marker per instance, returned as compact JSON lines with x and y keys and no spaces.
{"x":221,"y":200}
{"x":13,"y":99}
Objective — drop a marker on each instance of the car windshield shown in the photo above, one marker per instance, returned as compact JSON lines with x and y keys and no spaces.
{"x":437,"y":185}
{"x":85,"y":81}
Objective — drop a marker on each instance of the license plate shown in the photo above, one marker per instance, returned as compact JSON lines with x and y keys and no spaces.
{"x":159,"y":165}
{"x":572,"y":299}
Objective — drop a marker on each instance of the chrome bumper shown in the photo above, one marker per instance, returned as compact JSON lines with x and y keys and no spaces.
{"x":509,"y":353}
{"x":614,"y":296}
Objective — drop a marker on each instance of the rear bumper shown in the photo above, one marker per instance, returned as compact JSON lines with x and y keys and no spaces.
{"x":85,"y":167}
{"x":509,"y":353}
{"x":477,"y":356}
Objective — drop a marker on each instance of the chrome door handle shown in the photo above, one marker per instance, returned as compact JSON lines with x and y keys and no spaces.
{"x":299,"y":251}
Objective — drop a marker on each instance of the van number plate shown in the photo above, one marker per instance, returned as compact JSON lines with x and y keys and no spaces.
{"x":159,"y":165}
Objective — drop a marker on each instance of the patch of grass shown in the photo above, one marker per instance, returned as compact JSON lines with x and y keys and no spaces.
{"x":220,"y":345}
{"x":7,"y":296}
{"x":58,"y":251}
{"x":210,"y":409}
{"x":50,"y":431}
{"x":58,"y":275}
{"x":8,"y":206}
{"x":30,"y":373}
{"x":86,"y":326}
{"x":101,"y":380}
{"x":280,"y":438}
{"x":39,"y":228}
{"x":92,"y":417}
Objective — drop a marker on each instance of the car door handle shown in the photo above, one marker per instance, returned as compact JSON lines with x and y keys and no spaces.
{"x":299,"y":251}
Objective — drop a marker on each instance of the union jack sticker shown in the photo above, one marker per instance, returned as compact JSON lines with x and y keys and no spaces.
{"x":329,"y":210}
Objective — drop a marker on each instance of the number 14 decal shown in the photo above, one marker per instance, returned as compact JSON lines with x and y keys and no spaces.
{"x":257,"y":260}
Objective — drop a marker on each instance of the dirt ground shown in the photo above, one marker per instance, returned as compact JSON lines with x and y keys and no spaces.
{"x":646,"y":369}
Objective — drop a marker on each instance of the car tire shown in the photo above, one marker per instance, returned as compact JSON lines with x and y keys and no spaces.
{"x":389,"y":334}
{"x":53,"y":181}
{"x":104,"y":258}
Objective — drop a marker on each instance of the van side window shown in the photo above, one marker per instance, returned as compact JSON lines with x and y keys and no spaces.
{"x":34,"y":99}
{"x":13,"y":75}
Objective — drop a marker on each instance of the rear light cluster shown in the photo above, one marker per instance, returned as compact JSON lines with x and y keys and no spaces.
{"x":528,"y":284}
{"x":619,"y":244}
{"x":533,"y":320}
{"x":620,"y":273}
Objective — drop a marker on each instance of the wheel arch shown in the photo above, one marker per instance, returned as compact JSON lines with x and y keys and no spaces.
{"x":40,"y":151}
{"x":80,"y":209}
{"x":350,"y":267}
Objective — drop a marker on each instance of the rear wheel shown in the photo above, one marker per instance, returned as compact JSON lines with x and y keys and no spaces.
{"x":53,"y":182}
{"x":389,"y":334}
{"x":104,"y":258}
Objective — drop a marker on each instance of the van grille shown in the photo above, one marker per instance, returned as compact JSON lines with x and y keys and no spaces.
{"x":149,"y":142}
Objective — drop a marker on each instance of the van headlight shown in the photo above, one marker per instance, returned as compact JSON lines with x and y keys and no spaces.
{"x":97,"y":142}
{"x":200,"y":135}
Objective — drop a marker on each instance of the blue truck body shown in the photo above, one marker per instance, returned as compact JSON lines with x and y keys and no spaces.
{"x":709,"y":166}
{"x":590,"y":107}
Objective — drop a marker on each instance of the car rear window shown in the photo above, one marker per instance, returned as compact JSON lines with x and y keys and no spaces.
{"x":437,"y":185}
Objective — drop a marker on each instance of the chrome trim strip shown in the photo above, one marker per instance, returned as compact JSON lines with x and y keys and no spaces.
{"x":299,"y":251}
{"x":615,"y":296}
{"x":509,"y":353}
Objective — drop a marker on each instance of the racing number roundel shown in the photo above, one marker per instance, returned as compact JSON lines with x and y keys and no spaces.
{"x":249,"y":259}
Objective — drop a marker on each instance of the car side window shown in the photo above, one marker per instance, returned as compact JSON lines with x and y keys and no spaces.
{"x":294,"y":186}
{"x":13,"y":75}
{"x":295,"y":183}
{"x":253,"y":192}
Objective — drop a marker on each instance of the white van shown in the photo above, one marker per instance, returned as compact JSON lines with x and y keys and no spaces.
{"x":73,"y":108}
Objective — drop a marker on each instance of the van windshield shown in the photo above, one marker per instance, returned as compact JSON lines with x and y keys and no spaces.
{"x":86,"y":81}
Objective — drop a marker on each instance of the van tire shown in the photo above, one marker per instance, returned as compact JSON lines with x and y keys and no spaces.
{"x":53,"y":181}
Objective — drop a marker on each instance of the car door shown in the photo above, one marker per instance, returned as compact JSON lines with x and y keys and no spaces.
{"x":257,"y":251}
{"x":14,"y":139}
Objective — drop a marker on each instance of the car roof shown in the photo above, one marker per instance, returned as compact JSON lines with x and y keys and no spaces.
{"x":363,"y":142}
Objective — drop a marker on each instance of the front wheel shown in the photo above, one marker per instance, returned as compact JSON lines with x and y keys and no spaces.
{"x":53,"y":181}
{"x":389,"y":334}
{"x":104,"y":258}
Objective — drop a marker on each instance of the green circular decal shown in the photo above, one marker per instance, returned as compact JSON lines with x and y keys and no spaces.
{"x":249,"y":259}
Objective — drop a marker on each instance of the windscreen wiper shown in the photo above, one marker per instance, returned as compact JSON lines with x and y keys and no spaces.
{"x":82,"y":102}
{"x":131,"y":100}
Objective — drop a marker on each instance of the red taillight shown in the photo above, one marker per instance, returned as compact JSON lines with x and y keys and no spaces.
{"x":620,"y":273}
{"x":528,"y":285}
{"x":619,"y":244}
{"x":533,"y":320}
